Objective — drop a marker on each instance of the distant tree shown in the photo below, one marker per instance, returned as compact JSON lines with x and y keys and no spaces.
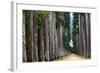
{"x":76,"y":32}
{"x":66,"y":32}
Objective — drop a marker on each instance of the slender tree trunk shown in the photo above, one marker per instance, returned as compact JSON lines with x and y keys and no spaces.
{"x":80,"y":34}
{"x":53,"y":22}
{"x":46,"y":38}
{"x":35,"y":37}
{"x":62,"y":51}
{"x":42,"y":39}
{"x":29,"y":37}
{"x":88,"y":43}
{"x":52,"y":27}
{"x":50,"y":38}
{"x":32,"y":27}
{"x":39,"y":46}
{"x":24,"y":39}
{"x":59,"y":33}
{"x":84,"y":33}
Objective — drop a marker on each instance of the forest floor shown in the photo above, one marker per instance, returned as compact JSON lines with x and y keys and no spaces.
{"x":72,"y":57}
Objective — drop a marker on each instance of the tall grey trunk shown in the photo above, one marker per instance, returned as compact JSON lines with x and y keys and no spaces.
{"x":52,"y":31}
{"x":32,"y":13}
{"x":24,"y":39}
{"x":62,"y":51}
{"x":35,"y":37}
{"x":29,"y":37}
{"x":84,"y":34}
{"x":88,"y":33}
{"x":46,"y":38}
{"x":42,"y":40}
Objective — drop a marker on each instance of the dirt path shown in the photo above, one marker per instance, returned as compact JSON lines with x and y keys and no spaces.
{"x":72,"y":57}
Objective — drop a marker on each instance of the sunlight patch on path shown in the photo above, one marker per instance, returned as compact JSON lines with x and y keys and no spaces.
{"x":72,"y":57}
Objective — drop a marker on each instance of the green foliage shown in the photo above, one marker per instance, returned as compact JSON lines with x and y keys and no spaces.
{"x":26,"y":13}
{"x":64,"y":19}
{"x":76,"y":28}
{"x":60,"y":17}
{"x":66,"y":24}
{"x":75,"y":23}
{"x":66,"y":32}
{"x":39,"y":17}
{"x":60,"y":58}
{"x":66,"y":40}
{"x":85,"y":57}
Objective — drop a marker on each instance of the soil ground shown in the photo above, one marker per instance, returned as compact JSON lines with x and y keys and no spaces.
{"x":72,"y":57}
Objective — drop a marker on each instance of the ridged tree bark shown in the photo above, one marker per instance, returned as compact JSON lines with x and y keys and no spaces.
{"x":81,"y":33}
{"x":84,"y":33}
{"x":52,"y":34}
{"x":29,"y":45}
{"x":42,"y":54}
{"x":88,"y":33}
{"x":58,"y":33}
{"x":31,"y":32}
{"x":54,"y":41}
{"x":46,"y":38}
{"x":35,"y":37}
{"x":24,"y":39}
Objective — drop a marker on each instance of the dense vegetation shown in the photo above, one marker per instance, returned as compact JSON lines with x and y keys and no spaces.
{"x":47,"y":34}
